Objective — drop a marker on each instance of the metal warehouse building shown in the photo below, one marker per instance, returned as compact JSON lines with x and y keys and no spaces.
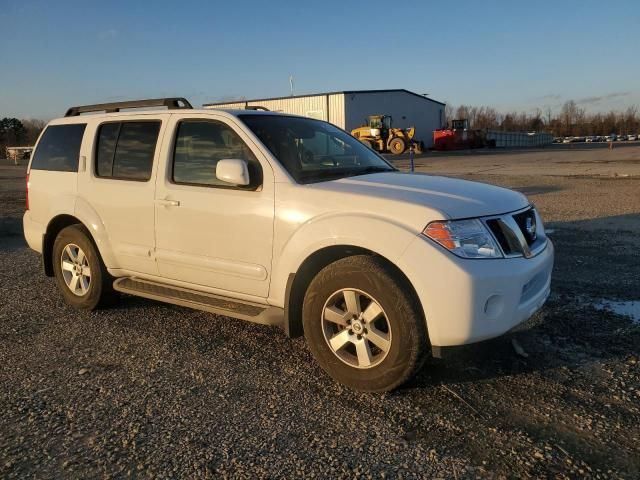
{"x":350,"y":109}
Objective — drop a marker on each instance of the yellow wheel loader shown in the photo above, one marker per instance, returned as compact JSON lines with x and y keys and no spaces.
{"x":380,"y":135}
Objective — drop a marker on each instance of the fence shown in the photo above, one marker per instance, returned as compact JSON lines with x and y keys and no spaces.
{"x":519,"y":139}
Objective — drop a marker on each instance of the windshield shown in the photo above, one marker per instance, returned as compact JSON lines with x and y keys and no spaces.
{"x":312,"y":150}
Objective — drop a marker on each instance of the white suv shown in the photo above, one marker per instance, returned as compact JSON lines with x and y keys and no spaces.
{"x":282,"y":220}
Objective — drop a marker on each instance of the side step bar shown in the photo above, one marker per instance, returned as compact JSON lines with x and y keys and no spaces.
{"x":207,"y":302}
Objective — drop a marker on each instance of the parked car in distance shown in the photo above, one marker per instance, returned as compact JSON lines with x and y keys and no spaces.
{"x":621,"y":138}
{"x":632,"y":138}
{"x":610,"y":138}
{"x":286,"y":221}
{"x":567,"y":140}
{"x":590,"y":139}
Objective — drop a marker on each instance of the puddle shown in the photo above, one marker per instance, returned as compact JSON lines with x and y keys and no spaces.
{"x":629,"y":309}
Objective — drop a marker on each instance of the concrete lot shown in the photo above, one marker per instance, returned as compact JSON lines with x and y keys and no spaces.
{"x":150,"y":390}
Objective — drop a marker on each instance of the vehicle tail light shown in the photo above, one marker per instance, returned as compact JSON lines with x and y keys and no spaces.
{"x":27,"y":193}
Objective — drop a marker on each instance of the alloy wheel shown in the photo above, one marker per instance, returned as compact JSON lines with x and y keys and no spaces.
{"x":76,"y":271}
{"x":356,"y":328}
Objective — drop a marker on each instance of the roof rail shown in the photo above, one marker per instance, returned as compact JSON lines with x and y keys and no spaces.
{"x":256,"y":107}
{"x":173,"y":103}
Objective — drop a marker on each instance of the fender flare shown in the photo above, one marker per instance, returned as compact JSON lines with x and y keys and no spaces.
{"x":365,"y":231}
{"x":84,"y":212}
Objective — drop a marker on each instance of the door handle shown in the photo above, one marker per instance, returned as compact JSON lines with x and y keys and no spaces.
{"x":168,"y":203}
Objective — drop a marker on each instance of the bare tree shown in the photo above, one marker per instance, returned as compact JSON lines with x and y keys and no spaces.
{"x":462,"y":111}
{"x":535,"y":122}
{"x":549,"y":116}
{"x":33,"y":128}
{"x":448,"y":114}
{"x":570,"y":120}
{"x":631,"y":123}
{"x":569,"y":113}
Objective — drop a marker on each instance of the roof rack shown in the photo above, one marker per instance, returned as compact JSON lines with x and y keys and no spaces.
{"x":173,"y":103}
{"x":256,"y":107}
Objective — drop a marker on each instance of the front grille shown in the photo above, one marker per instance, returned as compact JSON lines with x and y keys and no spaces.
{"x":516,"y":233}
{"x":497,"y":228}
{"x":527,"y":222}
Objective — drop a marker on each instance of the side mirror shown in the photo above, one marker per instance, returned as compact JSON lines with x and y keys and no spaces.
{"x":233,"y":171}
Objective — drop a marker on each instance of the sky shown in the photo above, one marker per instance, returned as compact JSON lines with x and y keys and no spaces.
{"x":511,"y":55}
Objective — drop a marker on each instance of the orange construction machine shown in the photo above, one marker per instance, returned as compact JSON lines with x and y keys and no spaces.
{"x":458,"y":137}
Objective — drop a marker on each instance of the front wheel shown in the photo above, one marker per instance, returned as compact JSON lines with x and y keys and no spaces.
{"x":397,"y":146}
{"x":363,"y":326}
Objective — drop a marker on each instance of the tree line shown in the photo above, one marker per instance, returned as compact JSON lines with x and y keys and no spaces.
{"x":570,"y":120}
{"x":19,"y":133}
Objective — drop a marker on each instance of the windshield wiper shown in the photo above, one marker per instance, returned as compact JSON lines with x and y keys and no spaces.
{"x":331,"y":174}
{"x":370,"y":169}
{"x":320,"y":176}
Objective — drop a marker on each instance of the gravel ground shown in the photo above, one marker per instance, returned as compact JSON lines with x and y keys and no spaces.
{"x":149,"y":390}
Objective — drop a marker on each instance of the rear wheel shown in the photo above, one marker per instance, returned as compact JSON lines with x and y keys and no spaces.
{"x":80,"y":273}
{"x":362,"y":325}
{"x":397,"y":146}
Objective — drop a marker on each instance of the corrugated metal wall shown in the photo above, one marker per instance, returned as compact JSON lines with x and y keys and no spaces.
{"x":336,"y":110}
{"x":315,"y":106}
{"x":519,"y":139}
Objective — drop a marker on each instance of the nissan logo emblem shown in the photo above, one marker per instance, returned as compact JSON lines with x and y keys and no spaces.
{"x":531,"y":227}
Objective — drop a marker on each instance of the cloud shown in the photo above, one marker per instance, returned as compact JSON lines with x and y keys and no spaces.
{"x":109,"y":33}
{"x":600,"y":98}
{"x":551,"y":96}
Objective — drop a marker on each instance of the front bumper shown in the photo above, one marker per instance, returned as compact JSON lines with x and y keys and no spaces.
{"x":466,"y":301}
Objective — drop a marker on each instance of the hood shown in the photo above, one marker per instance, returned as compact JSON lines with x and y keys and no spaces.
{"x":451,"y":197}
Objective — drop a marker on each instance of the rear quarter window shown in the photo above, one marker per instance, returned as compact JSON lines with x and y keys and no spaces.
{"x":59,"y":148}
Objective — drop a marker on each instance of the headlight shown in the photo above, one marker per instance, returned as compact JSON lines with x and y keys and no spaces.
{"x":465,"y":238}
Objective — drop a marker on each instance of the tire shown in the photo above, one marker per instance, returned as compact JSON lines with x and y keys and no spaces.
{"x":74,"y":249}
{"x":366,"y":142}
{"x":389,"y":350}
{"x":397,"y":146}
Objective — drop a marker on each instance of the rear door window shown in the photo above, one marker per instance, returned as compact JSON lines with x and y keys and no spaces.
{"x":125,"y":150}
{"x":59,"y":148}
{"x":106,"y":147}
